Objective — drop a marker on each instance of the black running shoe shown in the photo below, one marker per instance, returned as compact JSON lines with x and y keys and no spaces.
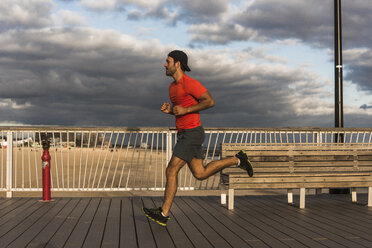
{"x":154,"y":214}
{"x":245,"y":164}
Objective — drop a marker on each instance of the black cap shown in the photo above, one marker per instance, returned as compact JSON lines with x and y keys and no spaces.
{"x":180,"y":56}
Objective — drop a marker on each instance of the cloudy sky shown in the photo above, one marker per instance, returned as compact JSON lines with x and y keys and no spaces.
{"x":267,"y":63}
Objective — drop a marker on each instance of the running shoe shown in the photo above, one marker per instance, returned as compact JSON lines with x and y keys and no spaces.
{"x":245,"y":164}
{"x":154,"y":214}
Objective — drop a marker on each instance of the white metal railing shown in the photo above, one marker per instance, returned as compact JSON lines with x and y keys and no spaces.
{"x":122,"y":159}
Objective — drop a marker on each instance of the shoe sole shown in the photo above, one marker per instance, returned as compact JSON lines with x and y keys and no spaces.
{"x":160,"y":223}
{"x":250,"y":164}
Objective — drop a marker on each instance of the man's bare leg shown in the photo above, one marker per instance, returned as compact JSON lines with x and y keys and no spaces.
{"x":171,"y":185}
{"x":201,"y":172}
{"x":198,"y":170}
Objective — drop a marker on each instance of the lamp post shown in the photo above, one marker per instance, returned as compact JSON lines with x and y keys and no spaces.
{"x":339,"y":110}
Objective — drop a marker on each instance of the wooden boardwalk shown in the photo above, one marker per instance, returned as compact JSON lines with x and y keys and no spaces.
{"x":256,"y":221}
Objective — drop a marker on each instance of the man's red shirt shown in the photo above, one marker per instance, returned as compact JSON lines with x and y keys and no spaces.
{"x":186,"y":92}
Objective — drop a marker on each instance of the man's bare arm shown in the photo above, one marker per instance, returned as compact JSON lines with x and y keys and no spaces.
{"x":205,"y":102}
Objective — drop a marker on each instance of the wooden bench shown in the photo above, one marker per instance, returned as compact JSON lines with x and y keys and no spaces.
{"x":299,"y":166}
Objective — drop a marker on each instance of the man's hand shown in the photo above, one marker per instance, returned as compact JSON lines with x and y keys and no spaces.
{"x":179,"y":110}
{"x":166,"y":108}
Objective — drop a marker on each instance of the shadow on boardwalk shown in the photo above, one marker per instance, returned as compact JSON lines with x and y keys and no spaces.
{"x":256,"y":221}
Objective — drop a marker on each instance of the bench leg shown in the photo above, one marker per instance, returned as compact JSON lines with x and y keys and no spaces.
{"x":302,"y":197}
{"x":353,"y":195}
{"x":318,"y":191}
{"x":290,"y":196}
{"x":231,"y":199}
{"x":223,"y":198}
{"x":369,"y":196}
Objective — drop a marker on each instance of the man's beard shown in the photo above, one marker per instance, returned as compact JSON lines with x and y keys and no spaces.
{"x":170,"y":71}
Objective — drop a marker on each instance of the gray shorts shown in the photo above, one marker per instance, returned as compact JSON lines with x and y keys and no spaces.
{"x":190,"y":144}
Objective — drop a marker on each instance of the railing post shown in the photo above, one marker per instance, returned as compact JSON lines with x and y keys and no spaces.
{"x":9,"y":165}
{"x":169,"y":146}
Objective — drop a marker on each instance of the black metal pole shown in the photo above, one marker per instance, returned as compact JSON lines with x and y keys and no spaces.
{"x":339,"y":110}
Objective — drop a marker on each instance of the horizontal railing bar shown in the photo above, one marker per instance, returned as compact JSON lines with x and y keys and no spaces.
{"x":93,"y":189}
{"x":104,"y":128}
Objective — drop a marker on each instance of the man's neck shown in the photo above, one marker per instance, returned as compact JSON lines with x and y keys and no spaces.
{"x":178,"y":75}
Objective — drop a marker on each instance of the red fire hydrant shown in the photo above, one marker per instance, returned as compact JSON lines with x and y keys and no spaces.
{"x":46,"y":171}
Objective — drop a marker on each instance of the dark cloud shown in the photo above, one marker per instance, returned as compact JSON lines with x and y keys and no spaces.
{"x":85,"y":76}
{"x":171,"y":12}
{"x":25,"y":14}
{"x":358,"y":68}
{"x":96,"y":79}
{"x":311,"y":22}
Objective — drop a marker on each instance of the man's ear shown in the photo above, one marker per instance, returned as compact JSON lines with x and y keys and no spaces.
{"x":178,"y":64}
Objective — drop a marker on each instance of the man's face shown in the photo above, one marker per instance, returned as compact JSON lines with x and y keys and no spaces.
{"x":170,"y":67}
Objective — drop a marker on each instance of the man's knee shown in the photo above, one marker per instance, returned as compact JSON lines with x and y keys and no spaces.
{"x":200,"y":175}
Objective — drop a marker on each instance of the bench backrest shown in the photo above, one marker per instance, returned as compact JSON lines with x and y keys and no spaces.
{"x":304,"y":158}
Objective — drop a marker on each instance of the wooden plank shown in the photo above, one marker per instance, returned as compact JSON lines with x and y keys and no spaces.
{"x":38,"y":210}
{"x":326,"y":233}
{"x":254,"y":225}
{"x":325,"y":164}
{"x":365,"y":175}
{"x":128,"y":237}
{"x":5,"y":205}
{"x":332,"y":222}
{"x":359,"y":216}
{"x":234,"y":224}
{"x":299,"y":147}
{"x":274,"y":206}
{"x":11,"y":215}
{"x":182,"y":214}
{"x":160,"y":233}
{"x":291,"y":237}
{"x":38,"y":224}
{"x":64,"y":231}
{"x":277,"y":234}
{"x":316,"y":169}
{"x":335,"y":215}
{"x":261,"y":231}
{"x":78,"y":235}
{"x":298,"y":185}
{"x":97,"y":227}
{"x":294,"y":146}
{"x":323,"y":158}
{"x":13,"y":218}
{"x":283,"y":155}
{"x":266,"y":213}
{"x":174,"y":228}
{"x":302,"y":179}
{"x":363,"y":156}
{"x":142,"y":225}
{"x":9,"y":206}
{"x":262,"y":158}
{"x":214,"y":238}
{"x":111,"y":235}
{"x":219,"y":228}
{"x":366,"y":163}
{"x":273,"y":164}
{"x":54,"y":225}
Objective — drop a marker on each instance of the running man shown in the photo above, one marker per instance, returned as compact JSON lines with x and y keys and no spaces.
{"x":188,"y":97}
